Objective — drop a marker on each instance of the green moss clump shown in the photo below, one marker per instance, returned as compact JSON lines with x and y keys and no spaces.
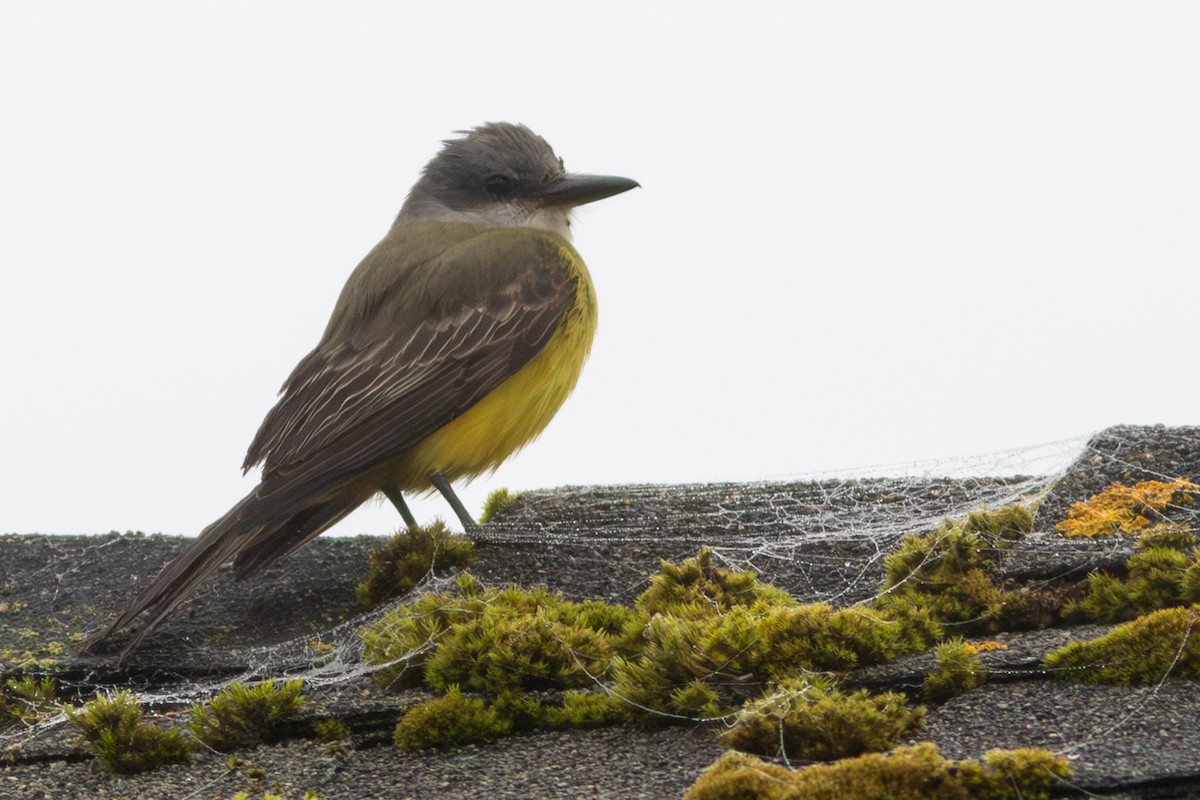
{"x":496,"y":503}
{"x":957,"y":547}
{"x":696,"y":699}
{"x":950,"y":575}
{"x":1163,"y":572}
{"x":700,"y":642}
{"x":449,"y":721}
{"x":818,"y":638}
{"x":331,"y":730}
{"x":698,"y":588}
{"x":410,"y":555}
{"x":906,"y":773}
{"x":708,"y":639}
{"x":709,"y":666}
{"x":1008,"y":523}
{"x":959,"y":670}
{"x":1157,"y":578}
{"x":1165,"y":534}
{"x":118,"y":735}
{"x":530,"y":711}
{"x":497,"y":640}
{"x":525,"y":641}
{"x":1140,"y":652}
{"x":809,"y":719}
{"x":404,"y":639}
{"x":27,"y":699}
{"x":516,"y":711}
{"x":243,"y":716}
{"x":1189,"y":584}
{"x":592,"y":709}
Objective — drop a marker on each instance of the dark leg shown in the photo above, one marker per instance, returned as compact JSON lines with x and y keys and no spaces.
{"x":443,"y":486}
{"x":401,"y":506}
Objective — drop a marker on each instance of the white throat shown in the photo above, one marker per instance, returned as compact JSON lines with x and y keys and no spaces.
{"x":554,"y":219}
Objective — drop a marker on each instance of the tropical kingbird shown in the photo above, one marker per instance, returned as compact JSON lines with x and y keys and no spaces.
{"x":451,"y":346}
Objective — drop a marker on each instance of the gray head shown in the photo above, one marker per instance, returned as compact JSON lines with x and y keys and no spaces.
{"x":504,"y":175}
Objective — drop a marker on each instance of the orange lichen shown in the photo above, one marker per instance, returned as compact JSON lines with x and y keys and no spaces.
{"x":1126,"y":509}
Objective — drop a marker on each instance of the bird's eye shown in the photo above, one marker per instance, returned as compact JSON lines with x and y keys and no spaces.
{"x":497,"y":184}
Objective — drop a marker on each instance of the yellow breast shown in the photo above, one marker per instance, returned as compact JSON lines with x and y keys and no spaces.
{"x":515,"y":412}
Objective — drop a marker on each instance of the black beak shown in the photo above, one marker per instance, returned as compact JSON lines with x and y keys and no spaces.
{"x":575,"y":190}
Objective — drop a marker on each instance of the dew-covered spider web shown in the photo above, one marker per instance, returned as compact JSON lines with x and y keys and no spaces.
{"x":822,"y":539}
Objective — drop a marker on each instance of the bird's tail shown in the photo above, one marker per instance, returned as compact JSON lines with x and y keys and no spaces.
{"x":241,"y":536}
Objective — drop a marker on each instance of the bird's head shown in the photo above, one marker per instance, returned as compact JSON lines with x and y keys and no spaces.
{"x":504,"y":175}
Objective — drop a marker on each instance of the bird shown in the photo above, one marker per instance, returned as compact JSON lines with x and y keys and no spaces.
{"x":452,"y":345}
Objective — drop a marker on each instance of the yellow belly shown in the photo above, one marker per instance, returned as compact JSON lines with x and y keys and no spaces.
{"x":516,"y":411}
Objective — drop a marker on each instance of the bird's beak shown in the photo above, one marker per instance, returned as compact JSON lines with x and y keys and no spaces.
{"x":575,"y":190}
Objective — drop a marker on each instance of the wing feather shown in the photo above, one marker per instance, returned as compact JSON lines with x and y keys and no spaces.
{"x":435,"y":338}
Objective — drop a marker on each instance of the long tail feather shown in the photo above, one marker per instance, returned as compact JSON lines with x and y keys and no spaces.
{"x":261,"y":551}
{"x":239,"y":536}
{"x":216,"y":544}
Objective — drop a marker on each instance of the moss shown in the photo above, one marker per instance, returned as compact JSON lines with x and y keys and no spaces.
{"x":1164,"y":571}
{"x":907,"y":773}
{"x":1189,"y":584}
{"x":532,"y":641}
{"x":333,"y":733}
{"x":575,"y":708}
{"x":497,"y":640}
{"x":124,"y":742}
{"x":25,"y":700}
{"x":403,"y":640}
{"x":408,"y":557}
{"x":1009,"y":522}
{"x":1157,"y":578}
{"x":449,"y":721}
{"x":959,"y":670}
{"x":529,"y":711}
{"x":816,"y":638}
{"x":331,"y":730}
{"x":949,"y":574}
{"x":696,"y":700}
{"x":697,"y":587}
{"x":735,"y":654}
{"x":936,"y":561}
{"x":496,"y":503}
{"x":1126,"y":509}
{"x":592,"y":709}
{"x":243,"y":716}
{"x":707,"y":639}
{"x":808,"y":719}
{"x":1155,"y":646}
{"x":698,"y":643}
{"x":1166,"y":534}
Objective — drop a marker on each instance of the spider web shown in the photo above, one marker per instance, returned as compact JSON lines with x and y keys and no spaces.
{"x":821,"y":537}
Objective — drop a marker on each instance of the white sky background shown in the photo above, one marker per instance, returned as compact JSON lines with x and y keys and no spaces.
{"x":868,"y":233}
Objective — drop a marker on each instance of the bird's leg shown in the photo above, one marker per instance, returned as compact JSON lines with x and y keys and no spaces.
{"x":443,"y":486}
{"x":401,"y":506}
